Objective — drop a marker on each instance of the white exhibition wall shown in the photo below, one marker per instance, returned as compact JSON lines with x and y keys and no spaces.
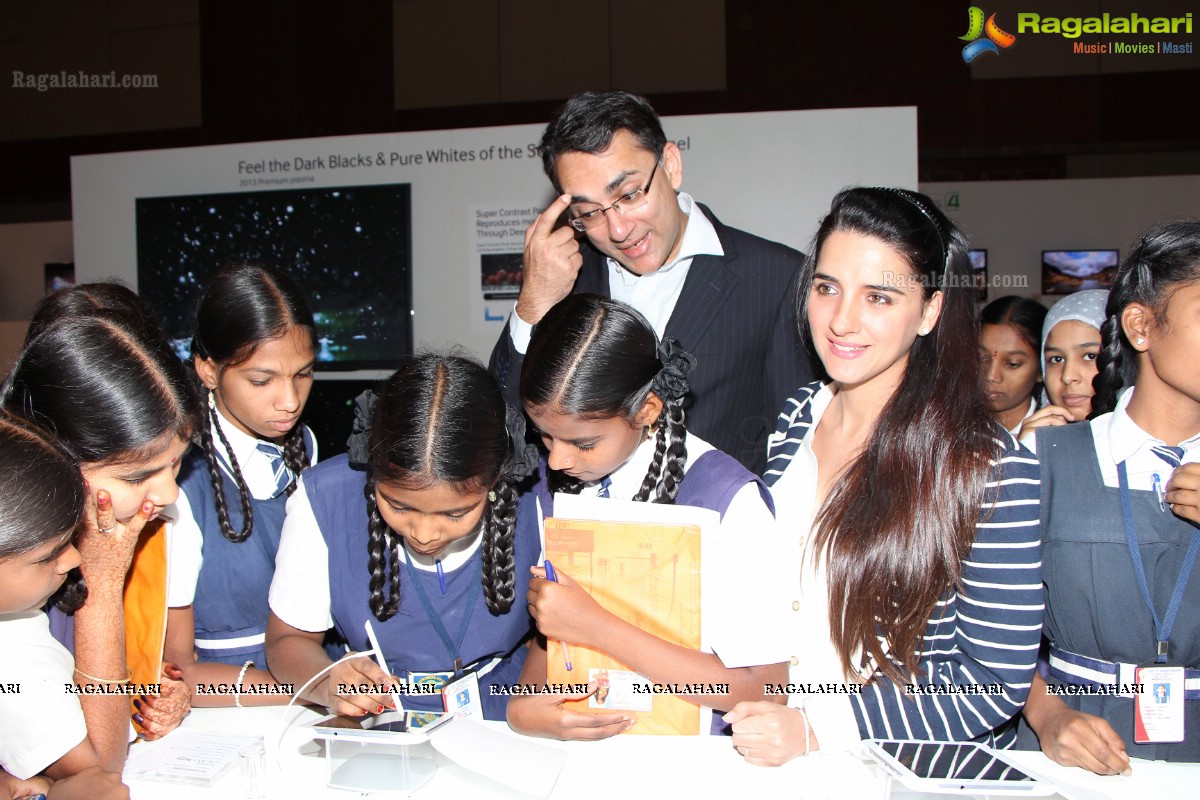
{"x":772,"y":173}
{"x":1016,"y":220}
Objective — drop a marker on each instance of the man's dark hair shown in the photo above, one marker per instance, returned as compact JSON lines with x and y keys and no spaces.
{"x":587,"y":122}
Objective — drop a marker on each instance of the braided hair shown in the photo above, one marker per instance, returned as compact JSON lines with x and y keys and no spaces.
{"x":1163,"y":260}
{"x":598,"y":358}
{"x":442,"y":419}
{"x":242,"y":307}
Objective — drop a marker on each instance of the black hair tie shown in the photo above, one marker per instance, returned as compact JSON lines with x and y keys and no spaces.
{"x":524,"y":454}
{"x":671,"y":381}
{"x":358,"y":444}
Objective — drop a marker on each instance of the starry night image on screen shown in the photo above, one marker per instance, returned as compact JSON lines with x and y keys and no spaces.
{"x":348,"y":248}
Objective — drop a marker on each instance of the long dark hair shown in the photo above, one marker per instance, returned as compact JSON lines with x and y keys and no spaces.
{"x":105,"y":390}
{"x":596,"y":358}
{"x":84,"y":299}
{"x":41,"y":495}
{"x":442,"y":419}
{"x":897,"y":525}
{"x":1163,"y":260}
{"x":243,"y":306}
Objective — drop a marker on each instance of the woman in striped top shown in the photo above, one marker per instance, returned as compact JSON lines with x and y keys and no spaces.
{"x":919,"y":606}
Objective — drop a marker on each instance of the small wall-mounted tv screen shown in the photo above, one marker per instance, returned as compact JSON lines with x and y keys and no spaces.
{"x":1067,"y":271}
{"x":979,"y":268}
{"x":348,"y":248}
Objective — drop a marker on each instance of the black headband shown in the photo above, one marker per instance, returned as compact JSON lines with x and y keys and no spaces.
{"x":913,"y":201}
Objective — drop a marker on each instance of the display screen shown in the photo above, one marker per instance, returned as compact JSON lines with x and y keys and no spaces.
{"x":1067,"y":271}
{"x":348,"y":248}
{"x":980,"y":271}
{"x":952,"y":762}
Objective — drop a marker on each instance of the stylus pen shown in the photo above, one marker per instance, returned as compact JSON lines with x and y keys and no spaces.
{"x":383,"y":665}
{"x":551,"y":575}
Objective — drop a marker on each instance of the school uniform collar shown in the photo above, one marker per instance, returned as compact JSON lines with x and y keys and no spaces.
{"x":244,"y":445}
{"x":627,"y":478}
{"x":453,"y":557}
{"x":1126,"y":438}
{"x":1028,"y":413}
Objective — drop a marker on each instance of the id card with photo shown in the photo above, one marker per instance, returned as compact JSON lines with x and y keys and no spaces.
{"x":620,"y":690}
{"x":461,"y":697}
{"x":1158,"y":711}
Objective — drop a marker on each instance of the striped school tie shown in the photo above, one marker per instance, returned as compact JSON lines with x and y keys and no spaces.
{"x":604,"y":484}
{"x":283,"y":475}
{"x":1171,"y":455}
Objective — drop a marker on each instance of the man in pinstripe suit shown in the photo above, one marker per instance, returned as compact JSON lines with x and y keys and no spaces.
{"x":726,"y":295}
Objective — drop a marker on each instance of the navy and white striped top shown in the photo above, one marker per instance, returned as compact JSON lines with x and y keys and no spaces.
{"x":984,"y":636}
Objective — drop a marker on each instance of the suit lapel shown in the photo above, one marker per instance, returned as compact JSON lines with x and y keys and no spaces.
{"x":593,"y":274}
{"x":708,"y":285}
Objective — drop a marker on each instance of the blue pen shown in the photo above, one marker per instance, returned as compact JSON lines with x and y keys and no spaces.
{"x":441,"y":577}
{"x":1156,"y":483}
{"x":552,"y":576}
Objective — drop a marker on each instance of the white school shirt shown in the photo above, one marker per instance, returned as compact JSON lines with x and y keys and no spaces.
{"x":186,"y":542}
{"x":656,"y":293}
{"x":300,"y":589}
{"x":1118,"y":438}
{"x":39,"y":721}
{"x":812,"y":656}
{"x":1016,"y":429}
{"x":734,"y":611}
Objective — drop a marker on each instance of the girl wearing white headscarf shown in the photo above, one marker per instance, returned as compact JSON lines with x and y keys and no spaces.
{"x":1070,"y":346}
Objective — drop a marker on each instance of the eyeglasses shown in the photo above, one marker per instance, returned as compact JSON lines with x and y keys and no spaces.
{"x":626,"y":202}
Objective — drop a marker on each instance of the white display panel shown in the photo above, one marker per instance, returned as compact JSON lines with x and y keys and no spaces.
{"x":771,"y":173}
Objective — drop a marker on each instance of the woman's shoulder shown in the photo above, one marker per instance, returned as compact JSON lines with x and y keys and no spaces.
{"x":797,"y":409}
{"x":791,"y":427}
{"x":1009,"y":454}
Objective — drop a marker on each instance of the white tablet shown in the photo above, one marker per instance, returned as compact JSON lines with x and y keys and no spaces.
{"x":390,"y":727}
{"x":955,"y":768}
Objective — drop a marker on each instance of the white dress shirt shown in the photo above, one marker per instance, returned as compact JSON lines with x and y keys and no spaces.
{"x":812,"y":656}
{"x":655,"y":293}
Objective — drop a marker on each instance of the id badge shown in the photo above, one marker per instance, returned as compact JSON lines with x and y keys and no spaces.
{"x":461,"y":697}
{"x":1158,"y":711}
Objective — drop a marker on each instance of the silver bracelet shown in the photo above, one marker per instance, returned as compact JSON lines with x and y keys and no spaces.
{"x":807,"y":740}
{"x":237,"y":687}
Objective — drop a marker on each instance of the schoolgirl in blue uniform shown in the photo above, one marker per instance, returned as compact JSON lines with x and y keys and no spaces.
{"x":425,"y":504}
{"x":254,"y":352}
{"x":607,"y":401}
{"x":1120,"y":508}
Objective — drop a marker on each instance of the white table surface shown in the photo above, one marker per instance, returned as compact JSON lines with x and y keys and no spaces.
{"x":629,"y":767}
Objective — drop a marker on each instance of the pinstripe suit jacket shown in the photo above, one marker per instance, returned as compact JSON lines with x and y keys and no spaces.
{"x":736,"y":315}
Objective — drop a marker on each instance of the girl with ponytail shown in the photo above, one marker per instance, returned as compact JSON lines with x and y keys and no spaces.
{"x":607,"y":400}
{"x":254,"y":351}
{"x":1121,"y":518}
{"x":425,"y":503}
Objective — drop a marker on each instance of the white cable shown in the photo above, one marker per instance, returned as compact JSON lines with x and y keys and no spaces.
{"x":285,"y":724}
